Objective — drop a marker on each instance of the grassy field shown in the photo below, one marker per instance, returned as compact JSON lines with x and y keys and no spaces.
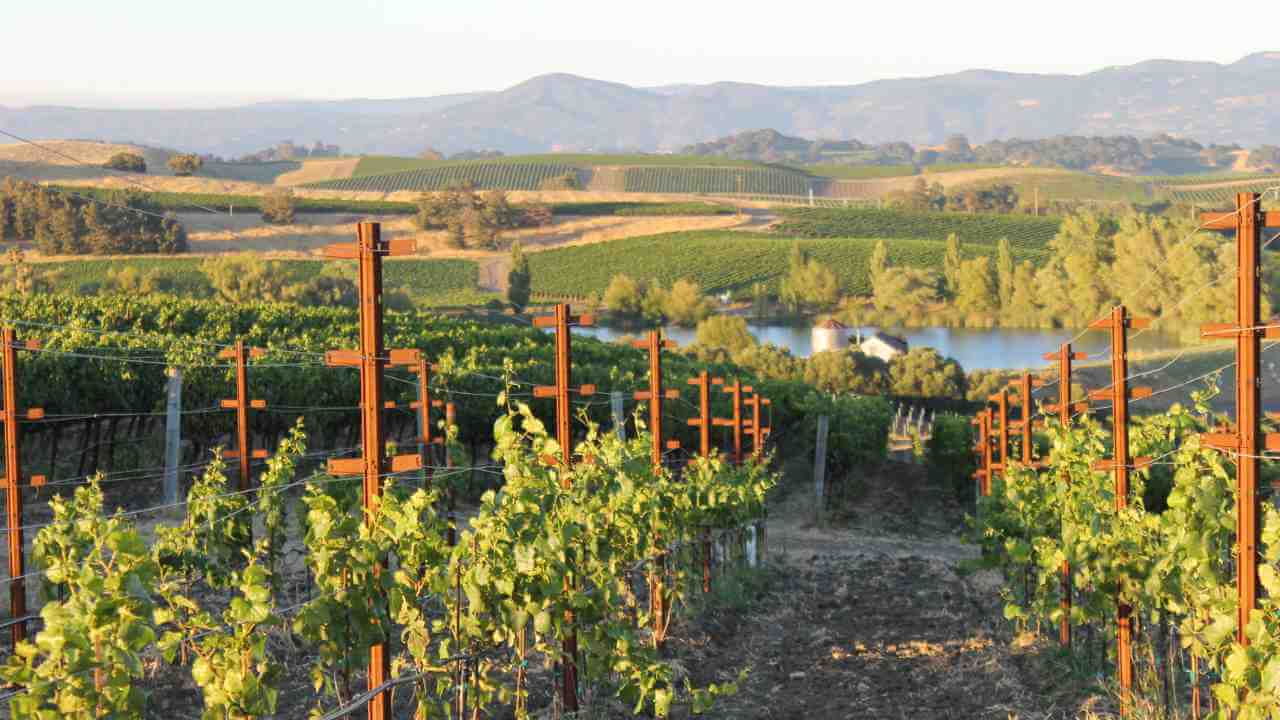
{"x":383,"y":164}
{"x":723,"y":260}
{"x":941,"y":168}
{"x":1023,"y":231}
{"x":431,"y":283}
{"x":1077,"y":186}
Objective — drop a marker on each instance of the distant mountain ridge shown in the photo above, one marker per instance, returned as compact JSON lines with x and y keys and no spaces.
{"x":1214,"y":103}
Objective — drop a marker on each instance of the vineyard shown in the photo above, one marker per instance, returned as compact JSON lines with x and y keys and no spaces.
{"x":1218,"y":195}
{"x":1151,"y":542}
{"x":727,"y":260}
{"x":485,"y":176}
{"x":573,"y":566}
{"x":1028,"y":233}
{"x":716,"y":180}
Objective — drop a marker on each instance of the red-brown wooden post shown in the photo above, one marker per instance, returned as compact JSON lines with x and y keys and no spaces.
{"x":10,"y":416}
{"x":1064,"y":408}
{"x":1120,"y":395}
{"x":1001,"y":400}
{"x":372,"y":360}
{"x":562,"y":321}
{"x":735,"y":392}
{"x":703,"y":422}
{"x":756,"y":424}
{"x":656,"y":393}
{"x":1248,"y":221}
{"x":243,"y":451}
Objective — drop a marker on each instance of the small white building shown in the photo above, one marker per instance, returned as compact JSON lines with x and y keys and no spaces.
{"x":829,"y":335}
{"x":882,"y":345}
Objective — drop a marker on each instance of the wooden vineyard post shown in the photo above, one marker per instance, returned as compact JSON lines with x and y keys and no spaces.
{"x":703,"y":422}
{"x":980,"y":450}
{"x":10,"y":416}
{"x":1064,"y":409}
{"x":372,"y":359}
{"x":656,"y":394}
{"x":1026,"y":423}
{"x":1120,"y":395}
{"x":735,"y":392}
{"x":243,"y":451}
{"x":756,"y":424}
{"x":562,"y":321}
{"x":1248,"y":221}
{"x":1001,"y":400}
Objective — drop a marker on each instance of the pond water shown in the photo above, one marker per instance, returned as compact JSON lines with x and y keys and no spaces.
{"x":974,"y":349}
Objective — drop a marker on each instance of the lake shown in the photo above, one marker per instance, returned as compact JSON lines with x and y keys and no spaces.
{"x":974,"y":349}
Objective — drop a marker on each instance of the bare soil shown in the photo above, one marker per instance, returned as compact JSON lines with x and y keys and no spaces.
{"x":877,"y":618}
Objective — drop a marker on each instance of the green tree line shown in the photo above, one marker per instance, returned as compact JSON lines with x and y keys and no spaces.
{"x":59,"y":223}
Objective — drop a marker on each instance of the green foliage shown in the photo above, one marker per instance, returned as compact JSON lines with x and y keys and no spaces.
{"x":519,"y":280}
{"x":847,"y":371}
{"x":685,"y":305}
{"x":727,"y":332}
{"x":202,"y":202}
{"x":949,"y":454}
{"x":1025,"y":233}
{"x":922,"y":372}
{"x":272,"y":502}
{"x":185,"y":164}
{"x":720,"y":260}
{"x":60,"y":222}
{"x":809,"y":282}
{"x":486,"y":175}
{"x":217,"y":533}
{"x":279,"y":206}
{"x":127,"y":162}
{"x":471,"y":219}
{"x":624,"y":295}
{"x":87,"y":660}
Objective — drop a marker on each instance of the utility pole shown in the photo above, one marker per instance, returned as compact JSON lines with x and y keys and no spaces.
{"x":372,"y":359}
{"x":241,"y":404}
{"x":1064,"y":409}
{"x":1120,"y":395}
{"x":654,"y":344}
{"x":562,"y":321}
{"x":1248,"y":222}
{"x":10,"y":416}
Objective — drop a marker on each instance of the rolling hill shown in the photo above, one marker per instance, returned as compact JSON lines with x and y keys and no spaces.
{"x":1224,"y":103}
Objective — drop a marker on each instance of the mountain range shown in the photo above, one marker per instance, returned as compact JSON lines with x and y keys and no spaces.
{"x":1210,"y":102}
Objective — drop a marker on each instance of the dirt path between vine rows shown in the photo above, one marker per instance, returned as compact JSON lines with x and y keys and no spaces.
{"x":874,"y":618}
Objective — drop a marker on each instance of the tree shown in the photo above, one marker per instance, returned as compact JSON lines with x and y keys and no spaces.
{"x":278,"y":206}
{"x":624,"y":295}
{"x":1004,"y":272}
{"x":519,"y":279}
{"x":922,"y":372}
{"x":685,"y":304}
{"x":770,"y":362}
{"x":905,"y":289}
{"x":808,"y":282}
{"x":847,"y":371}
{"x":127,"y":162}
{"x":977,"y":290}
{"x":951,"y":264}
{"x":727,"y":332}
{"x":565,"y":181}
{"x":431,"y":154}
{"x":245,"y":278}
{"x":1023,"y":309}
{"x":185,"y":164}
{"x":879,"y":261}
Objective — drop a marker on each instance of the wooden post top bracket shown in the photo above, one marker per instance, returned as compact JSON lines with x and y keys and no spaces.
{"x":549,"y":391}
{"x":1075,"y":408}
{"x":1074,"y":355}
{"x":1132,"y":323}
{"x":374,"y":245}
{"x":253,"y":353}
{"x":1035,"y":383}
{"x":1137,"y":393}
{"x":233,"y":404}
{"x":353,"y":358}
{"x":1228,"y":220}
{"x":1017,"y":424}
{"x":260,"y":454}
{"x":1224,"y":331}
{"x":668,"y":394}
{"x":644,"y":344}
{"x":1230,"y":442}
{"x":339,"y":467}
{"x":27,"y":345}
{"x":549,"y":321}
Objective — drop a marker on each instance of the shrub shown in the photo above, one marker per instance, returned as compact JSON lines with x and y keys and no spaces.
{"x":127,"y":162}
{"x":185,"y":164}
{"x":624,"y":295}
{"x":728,"y":332}
{"x":278,"y":207}
{"x":949,"y":454}
{"x":563,"y":181}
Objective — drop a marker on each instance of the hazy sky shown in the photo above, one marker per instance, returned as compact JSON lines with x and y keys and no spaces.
{"x":182,"y":53}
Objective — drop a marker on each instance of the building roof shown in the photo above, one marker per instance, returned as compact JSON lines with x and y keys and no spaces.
{"x":831,"y":324}
{"x":893,"y":341}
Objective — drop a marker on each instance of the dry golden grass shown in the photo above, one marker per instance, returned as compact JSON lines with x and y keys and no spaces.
{"x":52,"y":160}
{"x":317,"y":170}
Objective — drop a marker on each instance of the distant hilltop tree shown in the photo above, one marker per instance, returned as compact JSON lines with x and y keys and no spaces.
{"x":127,"y":162}
{"x":431,"y":154}
{"x":185,"y":164}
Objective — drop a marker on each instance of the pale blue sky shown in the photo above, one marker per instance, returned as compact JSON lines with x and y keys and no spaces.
{"x":183,"y":53}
